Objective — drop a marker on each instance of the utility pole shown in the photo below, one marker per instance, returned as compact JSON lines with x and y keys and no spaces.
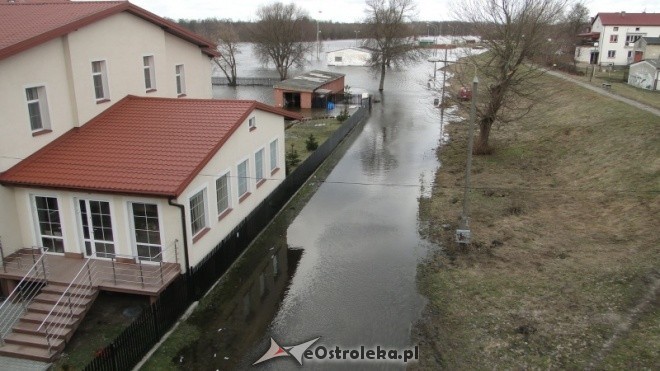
{"x":463,"y":234}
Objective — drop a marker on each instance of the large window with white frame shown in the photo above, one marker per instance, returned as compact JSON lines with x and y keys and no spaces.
{"x":146,"y":231}
{"x":100,"y":78}
{"x":259,"y":166}
{"x":222,"y":190}
{"x":49,"y":225}
{"x":180,"y":75}
{"x":243,"y":180}
{"x":273,"y":155}
{"x":37,"y":105}
{"x":149,"y":72}
{"x":198,"y":214}
{"x":611,"y":53}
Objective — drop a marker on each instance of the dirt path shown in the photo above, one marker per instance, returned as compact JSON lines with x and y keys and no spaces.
{"x":606,"y":93}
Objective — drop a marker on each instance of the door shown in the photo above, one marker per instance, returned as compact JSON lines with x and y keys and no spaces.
{"x":46,"y":211}
{"x":146,"y":231}
{"x":96,"y":227}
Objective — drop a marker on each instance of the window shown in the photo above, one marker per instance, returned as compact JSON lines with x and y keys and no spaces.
{"x":259,"y":165}
{"x":273,"y":155}
{"x":616,"y":28}
{"x":614,"y":38}
{"x":338,"y":58}
{"x":198,"y":212}
{"x":632,"y":38}
{"x":611,"y":53}
{"x":636,"y":28}
{"x":180,"y":80}
{"x":49,"y":226}
{"x":243,"y":178}
{"x":149,"y":73}
{"x":222,"y":193}
{"x":100,"y":77}
{"x":629,"y":53}
{"x":37,"y":105}
{"x":96,"y":226}
{"x":146,"y":229}
{"x":252,"y":123}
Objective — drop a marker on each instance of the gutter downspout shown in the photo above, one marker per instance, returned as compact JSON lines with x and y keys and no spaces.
{"x":185,"y":232}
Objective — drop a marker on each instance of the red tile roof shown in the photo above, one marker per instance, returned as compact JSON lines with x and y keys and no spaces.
{"x":24,"y":25}
{"x":629,"y":19}
{"x":147,"y":146}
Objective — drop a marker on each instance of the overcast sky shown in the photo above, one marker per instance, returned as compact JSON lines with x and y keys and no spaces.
{"x":343,"y":10}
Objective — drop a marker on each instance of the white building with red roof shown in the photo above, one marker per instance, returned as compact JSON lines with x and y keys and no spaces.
{"x":112,"y":151}
{"x":611,"y":39}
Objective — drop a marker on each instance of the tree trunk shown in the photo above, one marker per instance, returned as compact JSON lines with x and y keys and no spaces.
{"x":481,"y":147}
{"x":382,"y":76}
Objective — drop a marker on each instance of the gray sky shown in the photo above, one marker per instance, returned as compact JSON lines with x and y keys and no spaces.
{"x":343,"y":10}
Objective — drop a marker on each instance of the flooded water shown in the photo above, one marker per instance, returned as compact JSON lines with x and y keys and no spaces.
{"x":354,"y":283}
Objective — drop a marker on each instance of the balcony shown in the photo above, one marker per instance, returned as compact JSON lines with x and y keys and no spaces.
{"x":121,"y":273}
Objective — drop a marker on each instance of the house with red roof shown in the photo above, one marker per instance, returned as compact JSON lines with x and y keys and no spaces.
{"x":118,"y":171}
{"x":611,"y":39}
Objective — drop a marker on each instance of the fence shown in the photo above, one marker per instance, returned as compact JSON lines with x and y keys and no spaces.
{"x":135,"y":341}
{"x":246,"y":81}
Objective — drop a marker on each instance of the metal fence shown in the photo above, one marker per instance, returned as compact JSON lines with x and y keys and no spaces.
{"x":135,"y":341}
{"x":246,"y":81}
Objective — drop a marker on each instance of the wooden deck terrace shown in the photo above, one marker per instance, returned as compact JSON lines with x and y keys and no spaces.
{"x":127,"y":275}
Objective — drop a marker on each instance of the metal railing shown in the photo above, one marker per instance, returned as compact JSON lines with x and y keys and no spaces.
{"x":73,"y":302}
{"x":19,"y":299}
{"x":140,"y":270}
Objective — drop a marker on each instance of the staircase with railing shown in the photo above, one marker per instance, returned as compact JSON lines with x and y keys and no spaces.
{"x":42,"y":313}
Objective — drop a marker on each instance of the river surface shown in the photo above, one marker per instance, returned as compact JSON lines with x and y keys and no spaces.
{"x":354,"y":283}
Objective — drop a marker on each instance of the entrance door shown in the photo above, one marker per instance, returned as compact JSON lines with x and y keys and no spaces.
{"x":146,"y":231}
{"x":96,"y":226}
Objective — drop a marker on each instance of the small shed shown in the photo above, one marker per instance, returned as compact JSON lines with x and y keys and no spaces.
{"x":311,"y":90}
{"x":645,"y":74}
{"x":349,"y":57}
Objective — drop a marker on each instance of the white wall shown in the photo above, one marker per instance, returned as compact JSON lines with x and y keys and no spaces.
{"x":242,"y":144}
{"x":169,"y":218}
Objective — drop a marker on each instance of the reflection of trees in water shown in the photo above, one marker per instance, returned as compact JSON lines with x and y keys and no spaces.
{"x":375,"y":155}
{"x":241,"y":311}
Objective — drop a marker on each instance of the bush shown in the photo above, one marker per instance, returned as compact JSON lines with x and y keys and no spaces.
{"x":311,"y":143}
{"x":292,"y":159}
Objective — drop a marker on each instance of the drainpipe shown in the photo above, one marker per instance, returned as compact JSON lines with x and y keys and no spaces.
{"x":185,"y":232}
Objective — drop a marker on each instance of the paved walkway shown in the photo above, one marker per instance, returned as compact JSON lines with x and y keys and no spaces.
{"x":606,"y":93}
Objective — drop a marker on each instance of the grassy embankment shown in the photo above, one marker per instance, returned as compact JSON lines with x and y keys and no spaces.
{"x":566,"y":248}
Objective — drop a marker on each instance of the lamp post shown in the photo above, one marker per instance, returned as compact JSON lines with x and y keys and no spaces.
{"x":463,"y":234}
{"x":318,"y":34}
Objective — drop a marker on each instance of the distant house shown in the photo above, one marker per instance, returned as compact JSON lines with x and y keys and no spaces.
{"x":645,"y":74}
{"x":612,"y":36}
{"x":349,"y":57}
{"x":310,"y":90}
{"x":646,"y":48}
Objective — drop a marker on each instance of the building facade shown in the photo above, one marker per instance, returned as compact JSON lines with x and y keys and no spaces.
{"x":611,"y":39}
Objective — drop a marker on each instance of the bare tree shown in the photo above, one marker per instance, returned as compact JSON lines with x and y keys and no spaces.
{"x":277,"y":36}
{"x":228,"y":47}
{"x":575,"y":21}
{"x":514,"y":31}
{"x":387,"y":30}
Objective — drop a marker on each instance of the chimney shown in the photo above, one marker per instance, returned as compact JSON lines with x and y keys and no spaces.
{"x":623,"y":13}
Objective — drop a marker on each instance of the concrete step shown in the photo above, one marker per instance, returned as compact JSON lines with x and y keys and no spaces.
{"x":61,"y":309}
{"x":36,"y":341}
{"x":53,"y":321}
{"x":31,"y":328}
{"x":27,"y":352}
